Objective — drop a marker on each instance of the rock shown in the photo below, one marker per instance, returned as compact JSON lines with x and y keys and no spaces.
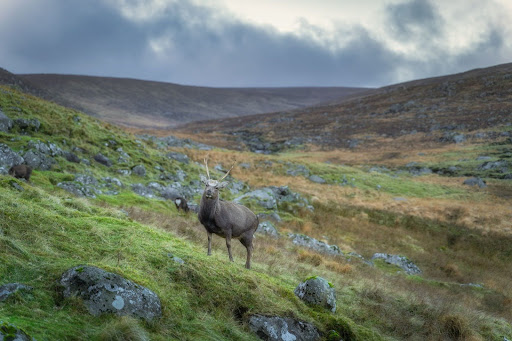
{"x":142,"y":190}
{"x":475,"y":182}
{"x":276,"y":328}
{"x":48,"y":148}
{"x":79,"y":189}
{"x":139,"y":170}
{"x":459,"y":138}
{"x":402,"y":262}
{"x":317,"y":291}
{"x":9,"y":332}
{"x":269,"y":216}
{"x":38,"y":160}
{"x":312,"y":243}
{"x":124,"y":172}
{"x":8,"y":157}
{"x":180,"y":157}
{"x":106,"y":292}
{"x":27,"y":125}
{"x":123,"y":156}
{"x":176,"y":259}
{"x":100,"y":158}
{"x":264,"y":197}
{"x":267,"y":228}
{"x":113,"y":181}
{"x":9,"y":289}
{"x":87,"y":180}
{"x":298,"y":170}
{"x":317,"y":179}
{"x":5,"y":122}
{"x":244,"y":165}
{"x":501,"y":165}
{"x":71,"y":157}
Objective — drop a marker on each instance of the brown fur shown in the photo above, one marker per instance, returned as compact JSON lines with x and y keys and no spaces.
{"x":21,"y":172}
{"x":226,"y":219}
{"x":181,"y":204}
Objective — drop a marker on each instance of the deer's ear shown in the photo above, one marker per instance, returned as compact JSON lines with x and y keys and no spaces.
{"x":204,"y":180}
{"x":222,"y":184}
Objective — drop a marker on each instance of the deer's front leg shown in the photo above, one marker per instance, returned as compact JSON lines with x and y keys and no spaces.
{"x":228,"y":244}
{"x":209,"y":243}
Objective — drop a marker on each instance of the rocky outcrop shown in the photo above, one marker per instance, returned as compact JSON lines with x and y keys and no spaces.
{"x":8,"y":157}
{"x":26,"y":125}
{"x":106,"y":292}
{"x":9,"y":332}
{"x":139,"y":170}
{"x":267,"y":228}
{"x":276,"y":328}
{"x":9,"y":289}
{"x":100,"y":158}
{"x":317,"y":291}
{"x":5,"y":122}
{"x":402,"y":262}
{"x":475,"y":182}
{"x":312,"y":243}
{"x":263,"y":197}
{"x":180,"y":157}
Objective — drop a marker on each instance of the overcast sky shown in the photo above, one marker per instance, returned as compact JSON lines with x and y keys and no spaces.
{"x":235,"y":43}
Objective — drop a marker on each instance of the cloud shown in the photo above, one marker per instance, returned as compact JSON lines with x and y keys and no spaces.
{"x":182,"y":42}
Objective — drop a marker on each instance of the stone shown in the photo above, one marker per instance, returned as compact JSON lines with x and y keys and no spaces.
{"x":267,"y":228}
{"x":296,"y":170}
{"x":264,"y":197}
{"x":317,"y":179}
{"x":312,"y":243}
{"x":38,"y":160}
{"x":139,"y":170}
{"x":180,"y":157}
{"x":317,"y":291}
{"x":5,"y":122}
{"x":142,"y":190}
{"x":276,"y":328}
{"x":402,"y":262}
{"x":9,"y":332}
{"x":176,"y":259}
{"x":27,"y":125}
{"x":71,"y":157}
{"x":8,"y":157}
{"x":9,"y":289}
{"x":100,"y":158}
{"x":87,"y":180}
{"x":475,"y":182}
{"x":106,"y":292}
{"x":79,"y":189}
{"x":48,"y":148}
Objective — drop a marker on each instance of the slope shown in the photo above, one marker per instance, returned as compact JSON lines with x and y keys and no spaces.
{"x":147,"y":104}
{"x":44,"y":230}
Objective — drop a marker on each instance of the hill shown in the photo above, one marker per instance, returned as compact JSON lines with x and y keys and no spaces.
{"x":148,"y":104}
{"x":427,"y":111}
{"x":97,"y":197}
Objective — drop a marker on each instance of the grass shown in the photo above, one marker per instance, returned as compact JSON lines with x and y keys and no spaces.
{"x":443,"y":227}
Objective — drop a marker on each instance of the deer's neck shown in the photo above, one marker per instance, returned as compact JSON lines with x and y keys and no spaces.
{"x":208,"y":207}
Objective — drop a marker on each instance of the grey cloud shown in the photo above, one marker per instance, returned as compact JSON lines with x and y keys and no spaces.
{"x":413,"y":19}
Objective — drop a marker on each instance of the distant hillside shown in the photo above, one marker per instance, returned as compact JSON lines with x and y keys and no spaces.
{"x":147,"y":104}
{"x":434,"y":109}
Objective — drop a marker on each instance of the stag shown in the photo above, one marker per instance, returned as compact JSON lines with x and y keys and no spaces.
{"x":225,"y":219}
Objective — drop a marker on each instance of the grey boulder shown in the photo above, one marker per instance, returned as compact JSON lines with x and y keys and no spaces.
{"x":402,"y":262}
{"x":106,"y":292}
{"x":276,"y":328}
{"x":264,"y":197}
{"x":5,"y":122}
{"x":9,"y":289}
{"x":317,"y":291}
{"x":8,"y":157}
{"x":267,"y":228}
{"x":139,"y":170}
{"x":312,"y":243}
{"x":100,"y":158}
{"x":38,"y":160}
{"x":475,"y":182}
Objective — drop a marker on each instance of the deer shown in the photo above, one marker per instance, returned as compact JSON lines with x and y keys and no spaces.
{"x":225,"y":219}
{"x":181,"y":204}
{"x":21,"y":172}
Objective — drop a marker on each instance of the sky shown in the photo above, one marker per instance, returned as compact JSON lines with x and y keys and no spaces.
{"x":249,"y":43}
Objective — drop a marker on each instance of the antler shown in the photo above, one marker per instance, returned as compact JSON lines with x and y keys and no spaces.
{"x":206,"y":164}
{"x":228,"y":171}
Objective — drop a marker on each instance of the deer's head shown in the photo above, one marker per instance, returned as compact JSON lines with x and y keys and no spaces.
{"x":212,"y":187}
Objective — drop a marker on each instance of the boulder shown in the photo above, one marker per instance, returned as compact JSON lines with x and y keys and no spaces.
{"x":139,"y":170}
{"x":78,"y":189}
{"x":87,"y":180}
{"x":5,"y":122}
{"x":180,"y":157}
{"x":8,"y":157}
{"x":48,"y":148}
{"x":276,"y":328}
{"x":402,"y":262}
{"x":38,"y":160}
{"x":71,"y":157}
{"x":264,"y":197}
{"x":142,"y":190}
{"x":475,"y":182}
{"x":317,"y":179}
{"x":106,"y":292}
{"x":123,"y":156}
{"x":9,"y":332}
{"x":317,"y":291}
{"x":27,"y":125}
{"x":296,"y":170}
{"x":267,"y":228}
{"x":312,"y":243}
{"x":100,"y":158}
{"x":9,"y":289}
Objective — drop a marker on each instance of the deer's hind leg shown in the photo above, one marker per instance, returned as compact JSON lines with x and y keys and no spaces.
{"x":246,"y":241}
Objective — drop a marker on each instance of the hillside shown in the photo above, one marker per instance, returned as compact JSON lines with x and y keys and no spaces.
{"x":148,"y":104}
{"x":422,"y":112}
{"x":97,"y":197}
